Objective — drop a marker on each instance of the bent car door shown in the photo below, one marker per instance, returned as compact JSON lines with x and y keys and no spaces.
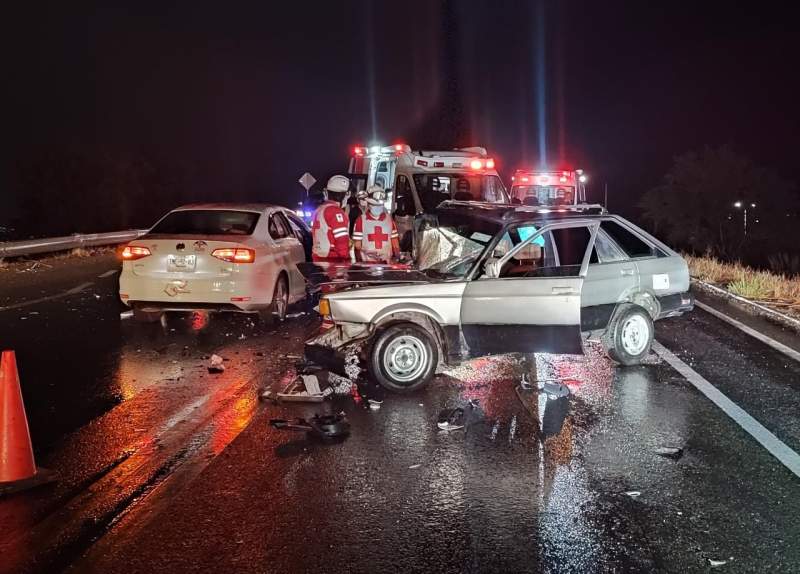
{"x":528,"y":298}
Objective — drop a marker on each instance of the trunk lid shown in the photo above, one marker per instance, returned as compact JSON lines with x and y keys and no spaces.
{"x":184,"y":256}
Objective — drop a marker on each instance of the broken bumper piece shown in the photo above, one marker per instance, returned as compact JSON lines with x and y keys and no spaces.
{"x":332,"y":348}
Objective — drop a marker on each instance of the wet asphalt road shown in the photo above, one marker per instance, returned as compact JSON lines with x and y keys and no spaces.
{"x":163,"y":467}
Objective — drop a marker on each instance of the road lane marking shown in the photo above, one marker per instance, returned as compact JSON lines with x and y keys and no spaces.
{"x":72,"y":291}
{"x":108,"y":273}
{"x":776,"y":447}
{"x":778,"y":346}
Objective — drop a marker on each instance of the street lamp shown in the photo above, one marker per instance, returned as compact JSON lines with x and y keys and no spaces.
{"x":740,"y":205}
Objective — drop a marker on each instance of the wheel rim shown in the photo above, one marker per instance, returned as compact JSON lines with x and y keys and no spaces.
{"x":281,"y":299}
{"x":635,"y":334}
{"x":405,"y":358}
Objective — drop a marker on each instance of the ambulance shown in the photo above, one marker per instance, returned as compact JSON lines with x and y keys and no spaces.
{"x":417,"y":181}
{"x":548,"y":187}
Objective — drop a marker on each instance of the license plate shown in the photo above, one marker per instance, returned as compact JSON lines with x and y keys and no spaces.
{"x":181,"y":262}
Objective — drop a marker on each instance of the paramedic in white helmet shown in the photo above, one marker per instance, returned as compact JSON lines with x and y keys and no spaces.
{"x":375,"y":234}
{"x":329,"y":225}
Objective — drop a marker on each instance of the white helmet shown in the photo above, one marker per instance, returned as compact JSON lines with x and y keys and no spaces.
{"x":337,"y":189}
{"x":338,"y":184}
{"x":377,"y":195}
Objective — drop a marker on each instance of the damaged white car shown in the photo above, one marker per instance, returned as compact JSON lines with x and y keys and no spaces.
{"x":493,"y":279}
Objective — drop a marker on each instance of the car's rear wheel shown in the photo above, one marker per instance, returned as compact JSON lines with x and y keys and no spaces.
{"x":147,"y":316}
{"x":403,"y":358}
{"x":280,"y":299}
{"x":629,"y":335}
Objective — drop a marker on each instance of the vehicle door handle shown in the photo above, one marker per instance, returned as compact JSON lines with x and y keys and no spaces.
{"x":626,"y":272}
{"x":564,"y":291}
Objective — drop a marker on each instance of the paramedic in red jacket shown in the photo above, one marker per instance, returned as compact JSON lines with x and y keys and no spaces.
{"x":375,"y":234}
{"x":329,"y":226}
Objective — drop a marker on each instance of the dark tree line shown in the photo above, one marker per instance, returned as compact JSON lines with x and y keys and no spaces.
{"x":700,"y":206}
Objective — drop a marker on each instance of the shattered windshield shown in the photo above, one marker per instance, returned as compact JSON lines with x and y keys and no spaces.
{"x":451,"y":244}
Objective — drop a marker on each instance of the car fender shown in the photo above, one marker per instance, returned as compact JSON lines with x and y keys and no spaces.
{"x":406,"y":308}
{"x":425,"y":318}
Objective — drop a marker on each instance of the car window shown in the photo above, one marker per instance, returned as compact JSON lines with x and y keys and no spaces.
{"x":605,"y":250}
{"x":297,"y":226}
{"x":630,"y":243}
{"x":404,"y":203}
{"x":278,"y":227}
{"x":559,"y":254}
{"x":206,"y":222}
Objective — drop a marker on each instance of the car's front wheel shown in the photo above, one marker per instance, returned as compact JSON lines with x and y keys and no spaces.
{"x":629,"y":335}
{"x":404,"y":358}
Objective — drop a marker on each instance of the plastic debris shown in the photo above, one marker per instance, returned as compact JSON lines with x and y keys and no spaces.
{"x":717,"y":563}
{"x":633,"y":493}
{"x":325,"y":427}
{"x":216,"y":366}
{"x":413,"y":466}
{"x":374,"y":404}
{"x":242,"y":337}
{"x":669,"y":452}
{"x":451,"y":419}
{"x":295,"y":315}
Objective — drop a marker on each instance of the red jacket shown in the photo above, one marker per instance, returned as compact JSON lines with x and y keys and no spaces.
{"x":329,"y":228}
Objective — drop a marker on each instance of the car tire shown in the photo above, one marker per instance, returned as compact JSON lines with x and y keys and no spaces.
{"x":403,"y":358}
{"x":143,"y":316}
{"x":280,"y":299}
{"x":629,"y":335}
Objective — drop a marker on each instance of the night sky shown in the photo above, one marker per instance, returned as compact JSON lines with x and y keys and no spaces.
{"x":251,"y":96}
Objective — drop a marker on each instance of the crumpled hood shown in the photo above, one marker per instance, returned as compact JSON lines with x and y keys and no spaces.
{"x":360,"y":274}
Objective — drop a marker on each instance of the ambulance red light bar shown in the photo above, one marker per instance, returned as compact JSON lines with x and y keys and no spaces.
{"x":359,"y":151}
{"x":481,"y":164}
{"x":399,"y":148}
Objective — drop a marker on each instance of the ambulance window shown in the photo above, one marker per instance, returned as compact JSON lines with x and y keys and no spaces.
{"x":403,"y":200}
{"x":629,"y":243}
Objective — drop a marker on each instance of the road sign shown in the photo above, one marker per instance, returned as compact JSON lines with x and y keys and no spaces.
{"x":307,"y":180}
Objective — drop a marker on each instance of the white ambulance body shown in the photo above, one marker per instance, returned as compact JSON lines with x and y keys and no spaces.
{"x":418,"y":181}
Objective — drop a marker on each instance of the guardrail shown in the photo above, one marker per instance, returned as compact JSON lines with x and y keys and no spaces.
{"x":51,"y":244}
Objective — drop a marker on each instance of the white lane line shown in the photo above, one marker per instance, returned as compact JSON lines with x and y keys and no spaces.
{"x":72,"y":291}
{"x":787,"y":457}
{"x":778,"y":346}
{"x":108,"y":273}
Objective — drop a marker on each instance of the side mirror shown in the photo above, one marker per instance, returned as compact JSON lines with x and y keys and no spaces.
{"x":492,"y":268}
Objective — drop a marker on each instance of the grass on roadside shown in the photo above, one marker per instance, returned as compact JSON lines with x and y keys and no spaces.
{"x":774,"y":289}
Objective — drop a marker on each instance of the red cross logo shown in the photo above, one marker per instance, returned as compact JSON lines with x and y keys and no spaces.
{"x":378,"y":237}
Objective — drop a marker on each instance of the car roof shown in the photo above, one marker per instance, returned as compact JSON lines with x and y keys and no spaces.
{"x":504,"y":213}
{"x":257,"y":207}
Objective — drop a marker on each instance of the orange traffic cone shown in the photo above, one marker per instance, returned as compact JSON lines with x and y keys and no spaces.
{"x":16,"y":451}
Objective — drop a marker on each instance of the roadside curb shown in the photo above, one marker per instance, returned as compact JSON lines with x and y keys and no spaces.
{"x":751,"y":307}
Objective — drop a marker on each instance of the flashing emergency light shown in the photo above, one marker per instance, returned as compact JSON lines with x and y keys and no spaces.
{"x":398,"y":147}
{"x":375,"y":149}
{"x":476,"y":164}
{"x":583,"y":178}
{"x":359,"y":151}
{"x":490,"y":163}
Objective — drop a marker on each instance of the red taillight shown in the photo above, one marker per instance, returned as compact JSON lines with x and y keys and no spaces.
{"x":235,"y":255}
{"x":438,"y":164}
{"x":490,"y":163}
{"x":476,"y":164}
{"x":134,"y":252}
